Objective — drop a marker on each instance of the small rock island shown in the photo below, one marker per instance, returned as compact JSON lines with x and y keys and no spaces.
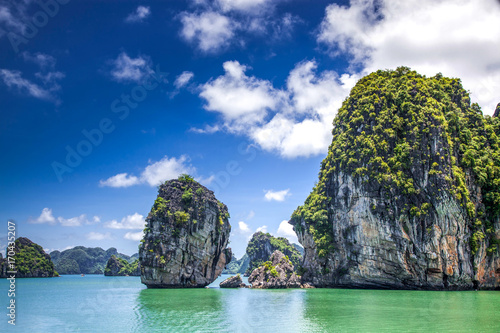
{"x":186,"y":237}
{"x":277,"y":273}
{"x":30,"y":261}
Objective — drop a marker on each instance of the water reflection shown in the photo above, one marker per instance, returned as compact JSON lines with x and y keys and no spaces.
{"x":223,"y":310}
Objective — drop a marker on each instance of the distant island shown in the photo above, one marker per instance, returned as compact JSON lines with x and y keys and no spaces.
{"x":86,"y":260}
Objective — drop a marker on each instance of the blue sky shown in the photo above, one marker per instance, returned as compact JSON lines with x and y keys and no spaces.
{"x":102,"y":100}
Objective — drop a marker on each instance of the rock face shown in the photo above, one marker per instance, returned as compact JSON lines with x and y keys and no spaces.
{"x":85,"y":260}
{"x":232,"y":282}
{"x":185,"y":239}
{"x":237,"y":266}
{"x":409,"y":194}
{"x":30,"y":261}
{"x":262,"y":245}
{"x":278,"y":273}
{"x":120,"y":267}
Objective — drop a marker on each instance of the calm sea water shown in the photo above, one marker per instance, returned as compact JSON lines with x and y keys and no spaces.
{"x":122,"y":304}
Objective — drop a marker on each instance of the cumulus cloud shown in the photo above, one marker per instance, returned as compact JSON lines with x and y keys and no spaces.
{"x":155,"y":173}
{"x":294,"y":121}
{"x":134,"y":236}
{"x":120,"y":180}
{"x":47,"y":217}
{"x":127,"y":69}
{"x":135,"y":221}
{"x":276,"y":195}
{"x":97,"y":236}
{"x":216,"y":24}
{"x":241,"y":100}
{"x":243,"y":227}
{"x":139,"y":15}
{"x":165,"y":169}
{"x":286,"y":230}
{"x":210,"y":31}
{"x":457,"y":38}
{"x":262,"y":229}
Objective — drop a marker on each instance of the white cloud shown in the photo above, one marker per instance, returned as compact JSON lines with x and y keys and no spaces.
{"x":134,"y":236}
{"x":251,"y":215}
{"x":155,"y":173}
{"x":45,"y":217}
{"x":262,"y":229}
{"x":139,"y":15}
{"x":286,"y":230}
{"x":210,"y":31}
{"x":127,"y":69}
{"x":242,"y":100}
{"x":205,"y":181}
{"x":47,"y":75}
{"x":98,"y":236}
{"x":247,"y":6}
{"x":277,"y":195}
{"x":14,"y":79}
{"x":165,"y":169}
{"x":296,"y":121}
{"x":183,"y":79}
{"x":135,"y":221}
{"x":216,"y":24}
{"x":120,"y":180}
{"x":243,"y":227}
{"x":73,"y":221}
{"x":457,"y":38}
{"x":41,"y":59}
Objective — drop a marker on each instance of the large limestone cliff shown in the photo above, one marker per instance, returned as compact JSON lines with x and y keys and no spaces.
{"x":186,"y":236}
{"x":409,"y":194}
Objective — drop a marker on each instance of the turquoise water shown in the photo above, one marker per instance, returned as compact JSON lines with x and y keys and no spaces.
{"x":96,"y":303}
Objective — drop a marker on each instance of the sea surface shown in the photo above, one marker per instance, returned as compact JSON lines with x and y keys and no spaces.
{"x":95,"y":303}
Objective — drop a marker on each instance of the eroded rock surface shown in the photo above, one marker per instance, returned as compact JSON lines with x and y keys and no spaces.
{"x":233,"y":282}
{"x":409,"y":195}
{"x":278,"y":273}
{"x":186,"y":237}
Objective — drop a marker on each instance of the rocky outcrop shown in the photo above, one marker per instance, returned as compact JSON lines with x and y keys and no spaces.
{"x":186,"y":236}
{"x":408,"y":196}
{"x":278,"y":273}
{"x":237,"y":266}
{"x":30,"y":260}
{"x":233,"y":282}
{"x":120,"y":267}
{"x":85,"y":260}
{"x":262,"y":245}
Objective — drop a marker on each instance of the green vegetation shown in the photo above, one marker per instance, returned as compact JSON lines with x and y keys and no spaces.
{"x":85,"y":260}
{"x":258,"y":255}
{"x":31,"y":260}
{"x":120,"y":267}
{"x":386,"y":130}
{"x":187,"y":196}
{"x":185,"y":178}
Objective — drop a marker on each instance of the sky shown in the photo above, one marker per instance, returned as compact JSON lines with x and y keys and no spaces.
{"x":100,"y":101}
